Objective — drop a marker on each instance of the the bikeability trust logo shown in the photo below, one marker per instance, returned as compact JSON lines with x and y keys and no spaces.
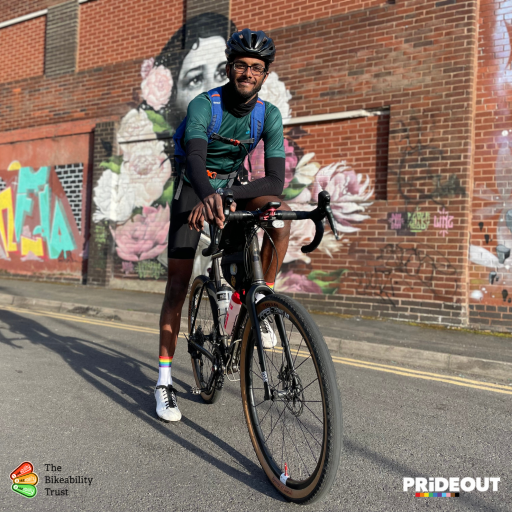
{"x":438,"y":487}
{"x":24,"y":480}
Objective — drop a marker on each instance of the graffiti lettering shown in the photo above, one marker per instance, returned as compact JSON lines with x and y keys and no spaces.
{"x":444,"y":221}
{"x":149,"y":269}
{"x":56,"y":233}
{"x":400,"y":266}
{"x":395,"y":221}
{"x":406,"y":223}
{"x":418,"y":221}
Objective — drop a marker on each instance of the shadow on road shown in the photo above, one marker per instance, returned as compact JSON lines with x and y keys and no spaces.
{"x":120,"y":378}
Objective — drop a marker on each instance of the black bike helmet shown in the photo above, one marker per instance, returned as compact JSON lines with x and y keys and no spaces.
{"x":250,"y":43}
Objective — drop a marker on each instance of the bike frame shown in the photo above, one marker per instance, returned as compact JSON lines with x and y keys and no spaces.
{"x":258,"y":285}
{"x":268,"y":213}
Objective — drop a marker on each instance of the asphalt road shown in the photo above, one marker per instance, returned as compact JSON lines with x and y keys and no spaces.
{"x":78,"y":393}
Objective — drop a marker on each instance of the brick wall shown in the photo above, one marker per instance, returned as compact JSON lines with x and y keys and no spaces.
{"x":361,"y":142}
{"x":100,"y":264}
{"x":420,"y":59}
{"x":490,"y":302}
{"x":113,"y":31}
{"x":10,"y":9}
{"x":22,"y":50}
{"x":269,"y":16}
{"x":61,"y":39}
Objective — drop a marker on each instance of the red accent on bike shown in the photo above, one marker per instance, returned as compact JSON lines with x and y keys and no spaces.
{"x":286,"y":470}
{"x":271,"y":212}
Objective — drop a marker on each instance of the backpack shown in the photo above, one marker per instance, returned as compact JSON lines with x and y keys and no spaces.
{"x":215,"y":95}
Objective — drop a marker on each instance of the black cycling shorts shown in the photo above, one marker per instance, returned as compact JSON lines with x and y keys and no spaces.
{"x":183,"y":241}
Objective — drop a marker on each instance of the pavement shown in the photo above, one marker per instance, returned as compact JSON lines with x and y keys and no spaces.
{"x":468,"y":353}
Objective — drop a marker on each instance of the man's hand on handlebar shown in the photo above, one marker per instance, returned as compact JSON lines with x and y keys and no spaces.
{"x":211,"y":210}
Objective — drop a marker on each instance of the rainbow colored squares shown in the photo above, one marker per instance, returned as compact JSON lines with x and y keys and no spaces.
{"x":24,"y":480}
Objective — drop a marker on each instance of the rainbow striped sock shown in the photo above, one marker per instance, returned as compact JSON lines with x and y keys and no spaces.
{"x":164,"y":371}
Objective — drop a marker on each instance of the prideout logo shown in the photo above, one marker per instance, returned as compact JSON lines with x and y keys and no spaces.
{"x":433,"y":487}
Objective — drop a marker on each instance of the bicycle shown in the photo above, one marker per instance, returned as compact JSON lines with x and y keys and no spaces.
{"x":290,"y":395}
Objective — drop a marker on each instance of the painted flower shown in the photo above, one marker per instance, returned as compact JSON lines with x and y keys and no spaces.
{"x":144,"y":171}
{"x":146,"y":67}
{"x":275,"y":92}
{"x":292,"y":282}
{"x":145,"y":236}
{"x":157,"y":87}
{"x":114,"y":201}
{"x":258,"y":162}
{"x":301,"y":233}
{"x":134,"y":126}
{"x":305,"y":173}
{"x":348,"y":194}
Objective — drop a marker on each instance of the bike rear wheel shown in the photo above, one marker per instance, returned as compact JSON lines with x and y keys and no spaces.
{"x":297,"y":434}
{"x":203,"y":309}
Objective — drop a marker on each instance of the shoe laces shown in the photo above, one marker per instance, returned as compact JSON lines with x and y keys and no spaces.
{"x":171,"y":393}
{"x":265,"y":326}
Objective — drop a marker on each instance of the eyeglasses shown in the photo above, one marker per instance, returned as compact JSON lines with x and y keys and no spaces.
{"x":242,"y":67}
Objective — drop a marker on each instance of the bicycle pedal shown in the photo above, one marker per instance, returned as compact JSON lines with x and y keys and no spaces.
{"x":196,"y":391}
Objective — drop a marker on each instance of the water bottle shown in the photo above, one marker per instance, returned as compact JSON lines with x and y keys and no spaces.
{"x":223,"y":299}
{"x":232,"y":314}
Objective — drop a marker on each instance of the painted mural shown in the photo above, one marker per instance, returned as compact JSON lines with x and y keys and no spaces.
{"x":41,"y":217}
{"x":492,"y":231}
{"x":132,"y":197}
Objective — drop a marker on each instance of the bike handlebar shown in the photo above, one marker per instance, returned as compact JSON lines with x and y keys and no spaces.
{"x":317,"y":215}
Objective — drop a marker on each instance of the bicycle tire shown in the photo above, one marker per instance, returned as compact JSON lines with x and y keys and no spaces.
{"x":312,"y":360}
{"x":205,"y":316}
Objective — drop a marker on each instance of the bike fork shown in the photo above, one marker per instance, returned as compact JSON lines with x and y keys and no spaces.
{"x":251,"y":309}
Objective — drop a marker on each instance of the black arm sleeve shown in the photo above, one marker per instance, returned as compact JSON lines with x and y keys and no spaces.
{"x":196,"y":150}
{"x":271,"y":185}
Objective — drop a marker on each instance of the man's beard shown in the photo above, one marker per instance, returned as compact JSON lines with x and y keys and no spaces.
{"x":245,"y":95}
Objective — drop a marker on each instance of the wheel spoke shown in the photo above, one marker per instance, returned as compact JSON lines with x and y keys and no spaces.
{"x":319,"y":420}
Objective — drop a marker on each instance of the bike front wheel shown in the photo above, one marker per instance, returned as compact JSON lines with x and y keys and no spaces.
{"x":297,"y":433}
{"x":202,"y":327}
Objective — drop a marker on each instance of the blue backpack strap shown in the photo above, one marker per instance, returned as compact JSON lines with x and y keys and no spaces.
{"x":213,"y":127}
{"x":179,"y":158}
{"x":257,"y":122}
{"x":215,"y":96}
{"x":179,"y":150}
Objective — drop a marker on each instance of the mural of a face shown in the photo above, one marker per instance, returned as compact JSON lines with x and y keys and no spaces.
{"x":203,"y":69}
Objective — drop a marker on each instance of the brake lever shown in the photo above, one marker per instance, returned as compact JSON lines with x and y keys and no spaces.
{"x":330,"y":218}
{"x":324,"y":203}
{"x":228,"y":201}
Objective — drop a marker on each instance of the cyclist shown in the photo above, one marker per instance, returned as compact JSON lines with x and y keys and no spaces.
{"x":208,"y":169}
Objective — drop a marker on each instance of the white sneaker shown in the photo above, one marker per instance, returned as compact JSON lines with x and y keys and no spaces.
{"x":166,"y":404}
{"x":268,"y":336}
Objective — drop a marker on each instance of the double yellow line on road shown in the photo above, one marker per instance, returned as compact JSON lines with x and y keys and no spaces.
{"x":397,"y":370}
